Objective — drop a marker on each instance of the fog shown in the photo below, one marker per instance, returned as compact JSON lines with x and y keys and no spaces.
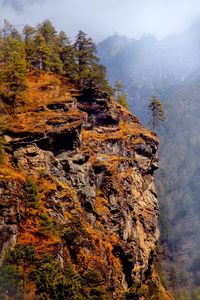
{"x":101,"y":18}
{"x":168,"y":68}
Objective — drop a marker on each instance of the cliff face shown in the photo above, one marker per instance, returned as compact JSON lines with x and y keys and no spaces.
{"x":93,"y":164}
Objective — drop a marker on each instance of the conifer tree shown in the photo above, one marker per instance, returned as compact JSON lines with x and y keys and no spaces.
{"x":51,"y":39}
{"x":48,"y":31}
{"x":67,"y":56}
{"x":91,"y":77}
{"x":30,"y":194}
{"x":9,"y":30}
{"x":23,"y":255}
{"x":42,"y":54}
{"x":157,"y":112}
{"x":56,"y":62}
{"x":29,"y":33}
{"x":14,"y":69}
{"x":41,"y":48}
{"x":119,"y":93}
{"x":85,"y":51}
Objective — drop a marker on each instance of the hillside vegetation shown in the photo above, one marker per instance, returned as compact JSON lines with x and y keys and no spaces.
{"x":43,"y":49}
{"x":78,"y":206}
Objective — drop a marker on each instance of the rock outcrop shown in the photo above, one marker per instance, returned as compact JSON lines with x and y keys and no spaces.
{"x":92,"y":162}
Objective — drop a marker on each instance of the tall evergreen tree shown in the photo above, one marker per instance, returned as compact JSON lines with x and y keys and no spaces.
{"x":14,"y":69}
{"x":51,"y":39}
{"x":91,"y":76}
{"x":85,"y":51}
{"x":157,"y":112}
{"x":10,"y":30}
{"x":119,"y":93}
{"x":48,"y":31}
{"x":43,"y":47}
{"x":67,"y":56}
{"x":29,"y":33}
{"x":24,"y":256}
{"x":41,"y":54}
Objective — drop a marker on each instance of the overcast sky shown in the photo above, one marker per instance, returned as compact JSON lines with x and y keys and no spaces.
{"x":101,"y":18}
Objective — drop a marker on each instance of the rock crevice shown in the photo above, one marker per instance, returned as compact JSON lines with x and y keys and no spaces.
{"x":99,"y":165}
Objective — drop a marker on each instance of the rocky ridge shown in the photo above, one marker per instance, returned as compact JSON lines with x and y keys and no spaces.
{"x":93,"y":164}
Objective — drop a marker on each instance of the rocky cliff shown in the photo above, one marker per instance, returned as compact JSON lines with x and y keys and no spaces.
{"x":93,"y":165}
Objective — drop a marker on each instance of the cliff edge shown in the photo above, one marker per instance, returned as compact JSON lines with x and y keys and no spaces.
{"x":92,"y":165}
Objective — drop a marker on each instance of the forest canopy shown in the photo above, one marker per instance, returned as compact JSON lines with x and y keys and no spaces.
{"x":42,"y":48}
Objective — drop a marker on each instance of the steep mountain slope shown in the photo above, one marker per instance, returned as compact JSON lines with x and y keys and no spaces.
{"x":83,"y":224}
{"x":169,"y":69}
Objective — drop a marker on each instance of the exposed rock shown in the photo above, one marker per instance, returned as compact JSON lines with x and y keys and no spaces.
{"x":94,"y":163}
{"x":34,"y":160}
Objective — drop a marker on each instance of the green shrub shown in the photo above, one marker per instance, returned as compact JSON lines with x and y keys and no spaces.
{"x":30,"y":194}
{"x":54,"y":283}
{"x":47,"y":226}
{"x":75,"y":237}
{"x":14,"y":272}
{"x":10,"y":282}
{"x":92,"y":278}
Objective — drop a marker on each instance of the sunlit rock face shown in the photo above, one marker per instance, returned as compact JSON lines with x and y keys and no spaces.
{"x":92,"y":162}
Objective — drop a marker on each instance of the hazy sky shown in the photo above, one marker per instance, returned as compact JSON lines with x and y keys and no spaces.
{"x":101,"y":18}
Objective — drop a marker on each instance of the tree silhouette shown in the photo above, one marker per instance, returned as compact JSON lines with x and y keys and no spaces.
{"x":157,"y":112}
{"x":119,"y":93}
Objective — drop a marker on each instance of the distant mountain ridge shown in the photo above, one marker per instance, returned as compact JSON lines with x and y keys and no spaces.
{"x":150,"y":67}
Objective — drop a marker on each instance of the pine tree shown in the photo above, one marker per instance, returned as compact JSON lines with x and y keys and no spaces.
{"x":48,"y":32}
{"x":14,"y":69}
{"x":56,"y":62}
{"x":9,"y":30}
{"x":67,"y":56}
{"x":157,"y":112}
{"x":41,"y":48}
{"x":119,"y":93}
{"x":85,"y":51}
{"x":30,"y":194}
{"x":29,"y":34}
{"x":42,"y":54}
{"x":91,"y":76}
{"x":24,"y":256}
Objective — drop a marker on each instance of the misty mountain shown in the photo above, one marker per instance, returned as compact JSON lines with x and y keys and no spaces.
{"x":111,"y":46}
{"x":150,"y":67}
{"x":170,"y":69}
{"x":178,"y":181}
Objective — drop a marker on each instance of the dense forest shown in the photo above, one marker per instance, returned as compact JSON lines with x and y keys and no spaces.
{"x":43,"y":49}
